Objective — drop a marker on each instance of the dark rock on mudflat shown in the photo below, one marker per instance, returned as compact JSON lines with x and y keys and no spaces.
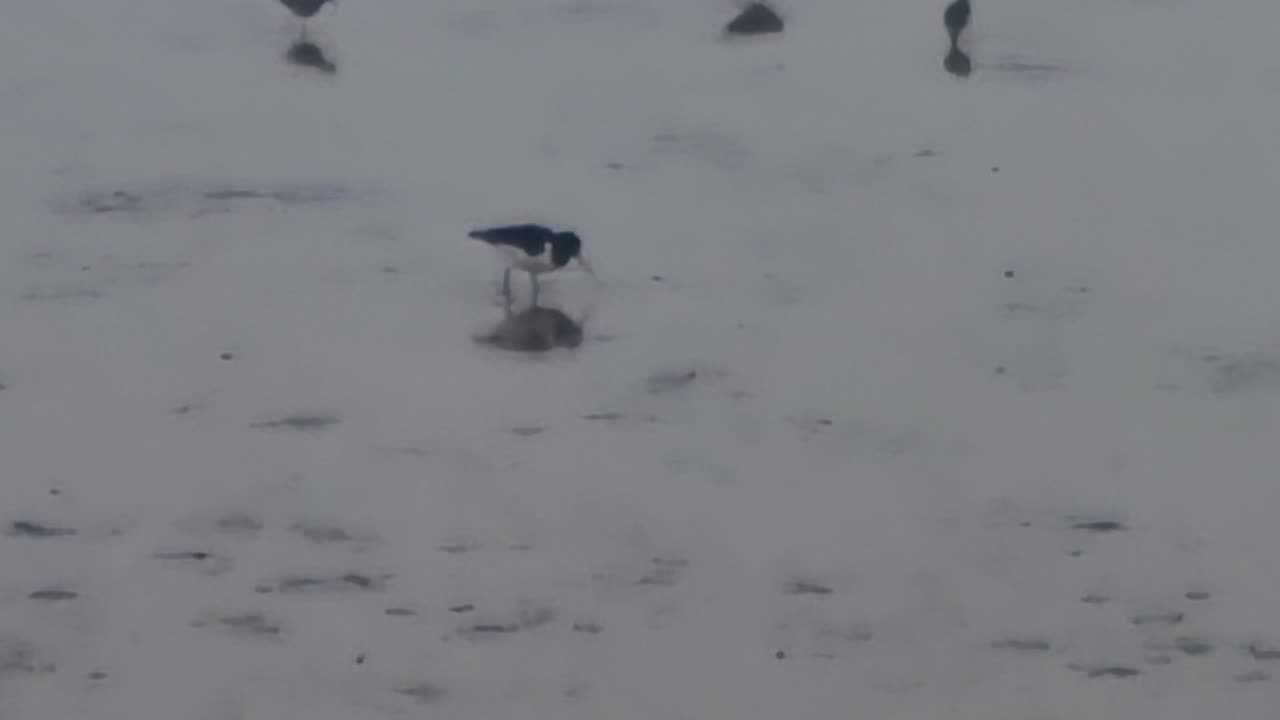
{"x":756,"y":19}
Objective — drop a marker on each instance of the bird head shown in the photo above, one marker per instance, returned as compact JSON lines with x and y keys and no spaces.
{"x":567,"y":246}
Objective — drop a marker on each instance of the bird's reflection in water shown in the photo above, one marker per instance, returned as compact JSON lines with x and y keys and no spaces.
{"x":307,"y":54}
{"x":957,"y":63}
{"x":535,"y":329}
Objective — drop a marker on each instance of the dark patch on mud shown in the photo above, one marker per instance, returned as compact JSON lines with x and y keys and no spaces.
{"x":422,"y":693}
{"x":328,"y":532}
{"x":1244,"y":372}
{"x":458,"y":547}
{"x":1194,"y":647}
{"x":111,"y":202}
{"x":239,"y":524}
{"x":57,"y":294}
{"x":669,"y":380}
{"x":664,"y":572}
{"x":194,"y":201}
{"x":300,"y":423}
{"x":534,"y":330}
{"x":1023,"y":644}
{"x":756,"y":19}
{"x":1106,"y":671}
{"x":528,"y":430}
{"x":805,"y":587}
{"x":243,"y":624}
{"x":53,"y":595}
{"x":1157,"y":618}
{"x":400,"y":612}
{"x":603,"y":416}
{"x":1014,"y":65}
{"x":307,"y":584}
{"x":1095,"y":599}
{"x":33,"y":529}
{"x":19,"y":656}
{"x":204,"y":562}
{"x":1264,"y":650}
{"x":300,"y":195}
{"x":588,"y":628}
{"x":830,"y":641}
{"x":308,"y":55}
{"x":1250,"y":677}
{"x":528,"y":618}
{"x":1097,"y":525}
{"x":463,"y":608}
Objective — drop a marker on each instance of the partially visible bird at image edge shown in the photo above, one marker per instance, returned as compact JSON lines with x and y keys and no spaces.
{"x":534,"y":249}
{"x":306,"y":9}
{"x":956,"y":18}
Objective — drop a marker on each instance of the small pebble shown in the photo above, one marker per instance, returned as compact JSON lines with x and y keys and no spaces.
{"x":360,"y":659}
{"x":1008,"y":273}
{"x":614,"y":166}
{"x":1000,"y":370}
{"x":780,"y":655}
{"x":995,"y":169}
{"x":226,"y":356}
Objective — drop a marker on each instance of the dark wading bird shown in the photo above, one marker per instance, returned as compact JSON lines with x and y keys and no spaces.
{"x":534,"y":249}
{"x":956,"y":18}
{"x":306,"y":9}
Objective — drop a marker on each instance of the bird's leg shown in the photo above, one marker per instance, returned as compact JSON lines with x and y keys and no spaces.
{"x":506,"y":285}
{"x":534,"y":279}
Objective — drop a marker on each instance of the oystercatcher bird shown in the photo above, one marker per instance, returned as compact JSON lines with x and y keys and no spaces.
{"x":534,"y":249}
{"x":306,"y":9}
{"x":956,"y":18}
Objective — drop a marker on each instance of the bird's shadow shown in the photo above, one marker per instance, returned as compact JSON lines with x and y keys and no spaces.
{"x":306,"y":54}
{"x":536,"y":329}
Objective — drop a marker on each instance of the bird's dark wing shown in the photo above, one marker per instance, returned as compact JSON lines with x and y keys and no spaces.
{"x":530,"y":238}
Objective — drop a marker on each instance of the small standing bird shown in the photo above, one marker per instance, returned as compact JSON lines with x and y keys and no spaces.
{"x":534,"y":249}
{"x":305,"y":9}
{"x":956,"y":18}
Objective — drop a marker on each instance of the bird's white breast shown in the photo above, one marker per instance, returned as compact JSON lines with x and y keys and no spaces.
{"x":536,"y":264}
